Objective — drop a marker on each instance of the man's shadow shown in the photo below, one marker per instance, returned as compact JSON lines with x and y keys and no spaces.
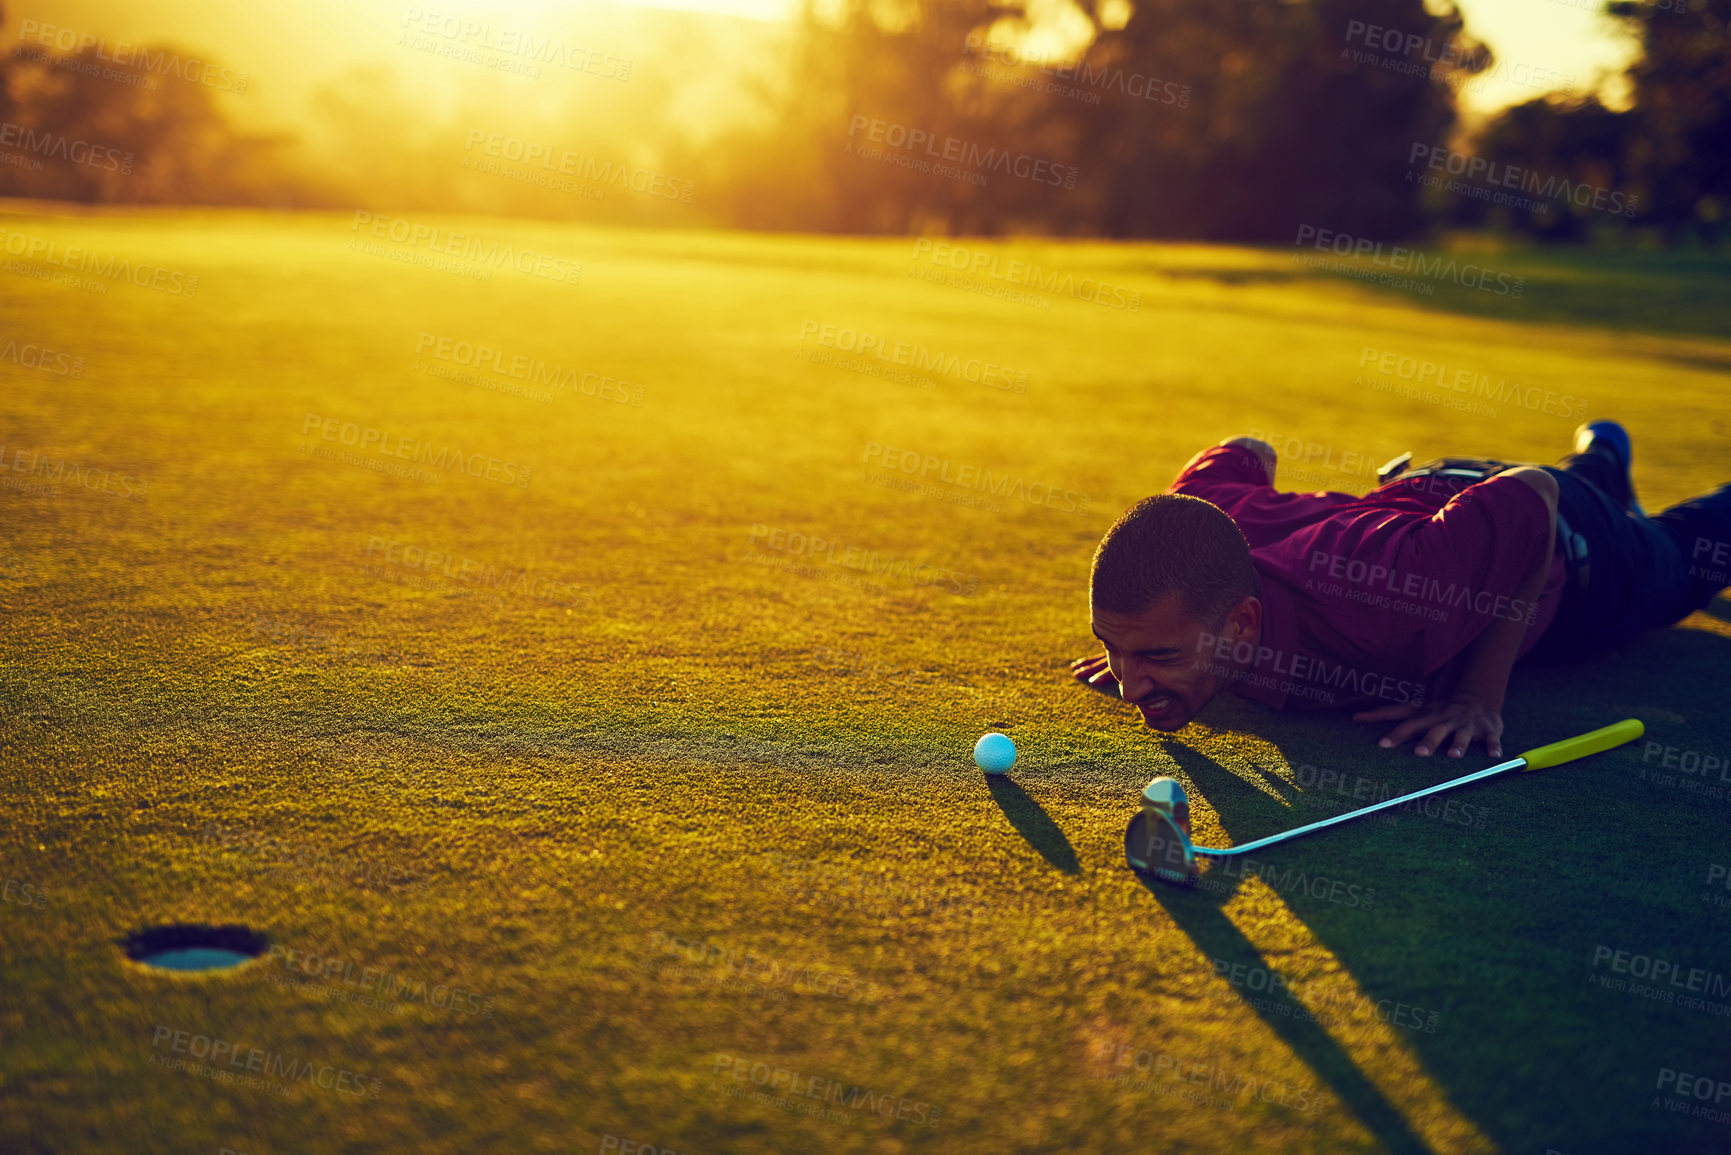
{"x":1518,"y":900}
{"x":1198,"y":914}
{"x":1033,"y":823}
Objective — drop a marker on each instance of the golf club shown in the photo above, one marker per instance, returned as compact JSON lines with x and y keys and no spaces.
{"x":1158,"y":842}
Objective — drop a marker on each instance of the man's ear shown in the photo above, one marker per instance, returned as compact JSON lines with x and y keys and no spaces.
{"x":1244,"y":620}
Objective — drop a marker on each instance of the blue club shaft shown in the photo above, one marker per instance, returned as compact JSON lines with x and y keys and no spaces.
{"x":1360,"y":813}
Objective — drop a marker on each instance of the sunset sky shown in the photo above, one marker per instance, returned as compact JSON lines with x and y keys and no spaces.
{"x":290,"y":52}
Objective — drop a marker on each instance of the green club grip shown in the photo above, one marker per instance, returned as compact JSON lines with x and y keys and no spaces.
{"x":1581,"y":745}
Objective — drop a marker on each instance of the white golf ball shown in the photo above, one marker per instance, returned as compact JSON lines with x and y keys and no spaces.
{"x":995,"y":753}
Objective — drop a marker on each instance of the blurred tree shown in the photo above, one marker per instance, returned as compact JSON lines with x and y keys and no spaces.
{"x":87,"y":129}
{"x":1296,"y":118}
{"x":1571,"y":157}
{"x":1214,"y":119}
{"x":1665,"y":162}
{"x":1678,"y":154}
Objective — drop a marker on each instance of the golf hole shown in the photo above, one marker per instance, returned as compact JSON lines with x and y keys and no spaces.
{"x":195,"y":947}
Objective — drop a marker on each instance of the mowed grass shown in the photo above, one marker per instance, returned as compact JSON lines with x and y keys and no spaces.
{"x":705,"y":808}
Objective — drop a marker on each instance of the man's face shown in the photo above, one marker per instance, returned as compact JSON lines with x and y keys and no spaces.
{"x":1163,"y":667}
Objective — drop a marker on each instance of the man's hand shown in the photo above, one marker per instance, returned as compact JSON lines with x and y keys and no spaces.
{"x":1092,"y":670}
{"x":1463,"y":715}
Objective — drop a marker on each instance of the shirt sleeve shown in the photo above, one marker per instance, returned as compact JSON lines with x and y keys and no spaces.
{"x":1220,"y":465}
{"x":1478,"y":549}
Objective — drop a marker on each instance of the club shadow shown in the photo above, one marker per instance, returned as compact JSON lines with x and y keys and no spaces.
{"x":1033,"y":823}
{"x":1201,"y":917}
{"x":1235,"y":802}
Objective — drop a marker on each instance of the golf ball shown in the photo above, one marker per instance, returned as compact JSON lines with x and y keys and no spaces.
{"x":995,"y":753}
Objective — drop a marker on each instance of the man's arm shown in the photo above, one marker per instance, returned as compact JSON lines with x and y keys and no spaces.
{"x":1474,"y":709}
{"x":1262,"y":449}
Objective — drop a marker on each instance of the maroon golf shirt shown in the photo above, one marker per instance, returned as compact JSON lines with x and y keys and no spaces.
{"x":1370,"y":600}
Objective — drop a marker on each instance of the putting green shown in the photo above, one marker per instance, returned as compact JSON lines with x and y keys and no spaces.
{"x":587,"y":801}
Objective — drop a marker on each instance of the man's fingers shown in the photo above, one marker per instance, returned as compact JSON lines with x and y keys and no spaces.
{"x":1093,"y":671}
{"x":1463,"y":740}
{"x":1403,"y":731}
{"x":1433,"y":739}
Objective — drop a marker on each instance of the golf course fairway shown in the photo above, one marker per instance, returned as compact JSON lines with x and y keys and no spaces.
{"x":585,"y":723}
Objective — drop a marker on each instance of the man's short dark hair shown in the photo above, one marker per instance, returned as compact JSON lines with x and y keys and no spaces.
{"x":1173,"y":544}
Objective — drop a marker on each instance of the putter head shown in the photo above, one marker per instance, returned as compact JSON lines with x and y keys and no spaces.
{"x":1157,"y":841}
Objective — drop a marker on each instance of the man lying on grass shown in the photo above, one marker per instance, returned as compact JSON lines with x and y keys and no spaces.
{"x":1413,"y":602}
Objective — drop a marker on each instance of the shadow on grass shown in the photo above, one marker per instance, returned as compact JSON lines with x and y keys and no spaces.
{"x":1200,"y":917}
{"x":1033,"y":823}
{"x":1503,"y":929}
{"x":1663,"y":294}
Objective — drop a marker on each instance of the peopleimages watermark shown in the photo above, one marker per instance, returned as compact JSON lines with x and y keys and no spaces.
{"x":872,"y":668}
{"x":266,"y":853}
{"x":23,"y":894}
{"x":1495,"y":177}
{"x":42,"y":359}
{"x":863,"y":559}
{"x":976,"y":262}
{"x":1301,"y":675}
{"x":1002,"y":486}
{"x":913,"y":357}
{"x":324,"y":644}
{"x":1716,"y":872}
{"x":371,"y":985}
{"x":978,"y":161}
{"x":845,"y":887}
{"x":715,"y":964}
{"x":1104,"y":78}
{"x":59,"y":146}
{"x":1335,"y":786}
{"x":1458,"y":67}
{"x":394,"y":447}
{"x":1695,"y":766}
{"x":106,"y":267}
{"x":1699,"y":1088}
{"x":505,"y":49}
{"x":805,"y":1094}
{"x":563,"y":170}
{"x":518,"y":374}
{"x":447,"y":251}
{"x":1374,"y":584}
{"x":1401,"y":259}
{"x":1420,"y":372}
{"x":1205,"y":1082}
{"x":131,"y":58}
{"x":226,"y":1057}
{"x":1288,"y":880}
{"x":1294,"y":451}
{"x":613,"y":1143}
{"x":425,"y":563}
{"x":1322,"y":1001}
{"x":78,"y":475}
{"x":1710,"y":560}
{"x":1665,"y":981}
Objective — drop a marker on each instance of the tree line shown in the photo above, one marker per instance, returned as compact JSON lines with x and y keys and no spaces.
{"x":1220,"y":120}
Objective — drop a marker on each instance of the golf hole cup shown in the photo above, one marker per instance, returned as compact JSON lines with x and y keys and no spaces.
{"x":995,"y":753}
{"x":1166,"y":831}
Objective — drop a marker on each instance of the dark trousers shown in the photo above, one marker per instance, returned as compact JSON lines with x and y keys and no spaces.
{"x":1639,"y":573}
